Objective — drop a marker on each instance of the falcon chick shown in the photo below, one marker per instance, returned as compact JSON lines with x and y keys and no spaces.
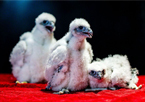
{"x":69,"y":58}
{"x":28,"y":57}
{"x":114,"y":71}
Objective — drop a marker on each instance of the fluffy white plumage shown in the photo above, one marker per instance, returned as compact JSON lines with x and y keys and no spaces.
{"x":28,"y":57}
{"x":114,"y":71}
{"x":69,"y":59}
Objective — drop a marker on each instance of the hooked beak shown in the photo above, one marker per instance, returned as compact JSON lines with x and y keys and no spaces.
{"x":100,"y":76}
{"x":88,"y":32}
{"x":49,"y":27}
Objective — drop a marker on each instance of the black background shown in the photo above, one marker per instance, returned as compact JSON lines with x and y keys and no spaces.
{"x":119,"y":27}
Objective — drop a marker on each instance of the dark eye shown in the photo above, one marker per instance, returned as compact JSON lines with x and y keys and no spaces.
{"x":93,"y":72}
{"x":80,"y":27}
{"x":45,"y":22}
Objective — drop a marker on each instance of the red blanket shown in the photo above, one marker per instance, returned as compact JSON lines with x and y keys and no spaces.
{"x":9,"y":91}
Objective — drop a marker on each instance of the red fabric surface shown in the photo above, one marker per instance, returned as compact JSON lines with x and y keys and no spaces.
{"x":9,"y":91}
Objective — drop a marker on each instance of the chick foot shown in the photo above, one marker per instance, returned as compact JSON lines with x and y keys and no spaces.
{"x":24,"y":82}
{"x":136,"y":88}
{"x":63,"y":91}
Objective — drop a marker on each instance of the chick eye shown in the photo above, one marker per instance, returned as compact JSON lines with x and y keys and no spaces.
{"x":93,"y":72}
{"x":45,"y":22}
{"x":80,"y":27}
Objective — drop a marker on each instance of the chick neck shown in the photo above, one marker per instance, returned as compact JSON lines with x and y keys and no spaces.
{"x":77,"y":43}
{"x":42,"y":37}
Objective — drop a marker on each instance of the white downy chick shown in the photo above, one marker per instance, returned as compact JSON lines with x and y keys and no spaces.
{"x":28,"y":57}
{"x":69,"y":59}
{"x":114,"y":71}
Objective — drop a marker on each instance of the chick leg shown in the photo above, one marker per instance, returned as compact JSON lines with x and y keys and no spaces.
{"x":100,"y":89}
{"x":96,"y":89}
{"x":48,"y":87}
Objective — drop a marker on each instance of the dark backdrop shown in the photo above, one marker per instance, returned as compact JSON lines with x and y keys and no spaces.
{"x":119,"y":27}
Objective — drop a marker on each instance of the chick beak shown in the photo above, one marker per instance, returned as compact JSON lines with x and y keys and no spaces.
{"x":88,"y":32}
{"x":49,"y":27}
{"x":99,"y":75}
